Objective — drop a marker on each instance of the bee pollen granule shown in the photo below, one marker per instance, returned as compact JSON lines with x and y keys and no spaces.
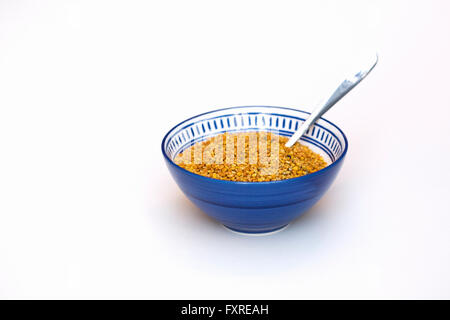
{"x":255,"y":156}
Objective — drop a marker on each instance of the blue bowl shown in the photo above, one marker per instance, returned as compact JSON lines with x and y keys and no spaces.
{"x":255,"y":207}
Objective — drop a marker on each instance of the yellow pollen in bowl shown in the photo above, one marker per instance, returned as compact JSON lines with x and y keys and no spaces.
{"x":255,"y":156}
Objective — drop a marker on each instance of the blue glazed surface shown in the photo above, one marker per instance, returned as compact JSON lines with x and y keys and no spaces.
{"x":255,"y":207}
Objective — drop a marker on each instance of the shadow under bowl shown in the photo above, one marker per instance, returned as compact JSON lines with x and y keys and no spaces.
{"x":255,"y":207}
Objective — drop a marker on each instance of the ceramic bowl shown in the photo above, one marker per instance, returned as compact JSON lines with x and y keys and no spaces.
{"x":255,"y":207}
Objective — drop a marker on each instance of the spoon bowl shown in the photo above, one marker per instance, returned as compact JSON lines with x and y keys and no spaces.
{"x":255,"y":207}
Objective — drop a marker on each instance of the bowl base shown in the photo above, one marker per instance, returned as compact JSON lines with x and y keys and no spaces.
{"x":264,"y":233}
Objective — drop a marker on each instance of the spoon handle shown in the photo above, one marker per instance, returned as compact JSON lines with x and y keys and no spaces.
{"x":345,"y":87}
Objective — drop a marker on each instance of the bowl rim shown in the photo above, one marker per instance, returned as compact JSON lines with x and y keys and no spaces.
{"x":254,"y":182}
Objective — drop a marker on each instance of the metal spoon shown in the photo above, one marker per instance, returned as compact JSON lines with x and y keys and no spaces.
{"x":344,"y":88}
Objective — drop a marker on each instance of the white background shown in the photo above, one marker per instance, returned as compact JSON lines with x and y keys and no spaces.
{"x":89,"y":88}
